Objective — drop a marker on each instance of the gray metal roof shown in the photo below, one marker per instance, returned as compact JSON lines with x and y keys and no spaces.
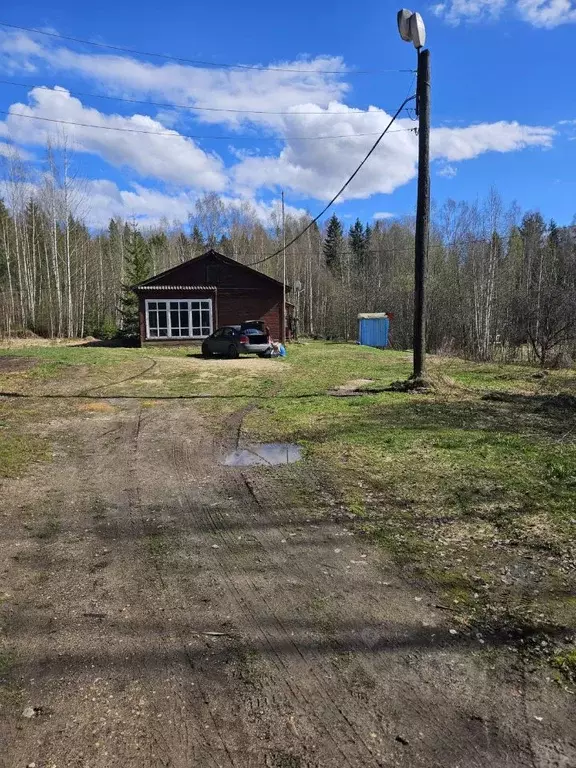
{"x":175,"y":288}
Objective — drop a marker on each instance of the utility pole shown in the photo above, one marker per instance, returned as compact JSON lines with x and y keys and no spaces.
{"x":283,"y":314}
{"x":422,"y":212}
{"x":411,"y":28}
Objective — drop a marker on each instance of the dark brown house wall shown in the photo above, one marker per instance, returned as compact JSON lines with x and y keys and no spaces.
{"x":210,"y":270}
{"x":236,"y":307}
{"x":238,"y":293}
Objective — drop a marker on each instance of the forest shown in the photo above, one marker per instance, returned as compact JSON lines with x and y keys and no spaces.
{"x":501,"y":282}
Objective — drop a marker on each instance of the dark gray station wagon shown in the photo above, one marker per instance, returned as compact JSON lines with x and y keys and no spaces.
{"x":232,"y":340}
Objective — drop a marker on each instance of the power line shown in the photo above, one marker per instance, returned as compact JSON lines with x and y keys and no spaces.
{"x":175,"y":134}
{"x":198,"y":109}
{"x":196,"y":62}
{"x":342,"y":188}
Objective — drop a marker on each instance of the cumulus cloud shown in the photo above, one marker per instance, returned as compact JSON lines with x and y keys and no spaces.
{"x":311,"y":100}
{"x":455,"y":11}
{"x":317,"y":169}
{"x":10,"y":151}
{"x":447,"y":171}
{"x":548,"y":13}
{"x":539,"y":13}
{"x":192,"y":86}
{"x":172,"y":158}
{"x":149,"y":206}
{"x":384,"y":215}
{"x":465,"y":143}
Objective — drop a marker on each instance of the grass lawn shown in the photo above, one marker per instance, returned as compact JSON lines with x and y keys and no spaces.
{"x":472,"y":489}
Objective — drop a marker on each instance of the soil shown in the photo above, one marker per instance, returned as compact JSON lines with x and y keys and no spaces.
{"x":9,"y":364}
{"x":160,"y":609}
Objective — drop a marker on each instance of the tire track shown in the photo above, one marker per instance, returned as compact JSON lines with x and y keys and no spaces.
{"x":247,"y":594}
{"x":136,"y":508}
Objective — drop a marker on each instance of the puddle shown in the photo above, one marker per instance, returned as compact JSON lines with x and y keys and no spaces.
{"x":268,"y":454}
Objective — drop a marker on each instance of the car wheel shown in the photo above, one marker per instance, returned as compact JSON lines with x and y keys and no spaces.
{"x":233,"y":351}
{"x":206,"y":352}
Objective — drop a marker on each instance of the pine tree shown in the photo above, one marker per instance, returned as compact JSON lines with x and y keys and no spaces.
{"x":358,"y":244}
{"x":368,"y":236}
{"x":137,"y":267}
{"x":225,"y":246}
{"x":197,"y":241}
{"x":334,"y":244}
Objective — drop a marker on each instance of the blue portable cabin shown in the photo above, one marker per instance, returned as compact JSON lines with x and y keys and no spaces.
{"x":373,"y":329}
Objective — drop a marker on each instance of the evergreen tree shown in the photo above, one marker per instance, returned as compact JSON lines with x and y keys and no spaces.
{"x":197,"y":241}
{"x":358,"y":244}
{"x":368,"y":236}
{"x":334,"y":243}
{"x":225,"y":246}
{"x":137,"y":268}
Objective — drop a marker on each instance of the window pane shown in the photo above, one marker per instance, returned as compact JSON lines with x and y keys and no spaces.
{"x":151,"y":305}
{"x":161,"y":304}
{"x":163,"y":332}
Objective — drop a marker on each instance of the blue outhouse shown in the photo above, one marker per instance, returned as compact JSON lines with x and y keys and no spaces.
{"x":373,"y":329}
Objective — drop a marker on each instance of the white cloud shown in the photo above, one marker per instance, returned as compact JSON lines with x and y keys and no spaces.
{"x":317,"y":169}
{"x":172,"y":158}
{"x":384,"y":215}
{"x":539,"y":13}
{"x":10,"y":151}
{"x":314,"y":169}
{"x":265,"y":90}
{"x":455,"y":11}
{"x":547,"y":13}
{"x":447,"y":170}
{"x":465,"y":143}
{"x":106,"y":200}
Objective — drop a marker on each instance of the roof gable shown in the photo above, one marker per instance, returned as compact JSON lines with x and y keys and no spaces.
{"x":180,"y":274}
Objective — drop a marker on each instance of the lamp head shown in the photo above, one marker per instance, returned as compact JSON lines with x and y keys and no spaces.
{"x":404,"y":24}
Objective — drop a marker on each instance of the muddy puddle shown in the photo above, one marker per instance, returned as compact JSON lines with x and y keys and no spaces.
{"x":266,"y":454}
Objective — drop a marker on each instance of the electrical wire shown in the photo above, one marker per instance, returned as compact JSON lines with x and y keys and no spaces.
{"x":196,"y":62}
{"x":198,"y":109}
{"x":175,"y":134}
{"x":342,"y":188}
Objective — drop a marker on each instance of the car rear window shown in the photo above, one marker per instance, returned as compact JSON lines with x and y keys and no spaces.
{"x":254,"y":324}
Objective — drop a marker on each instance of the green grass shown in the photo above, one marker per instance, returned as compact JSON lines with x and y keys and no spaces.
{"x":17,"y":451}
{"x":565,"y":662}
{"x":474,"y":497}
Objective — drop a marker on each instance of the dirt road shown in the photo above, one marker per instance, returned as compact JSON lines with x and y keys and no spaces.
{"x":163,"y":610}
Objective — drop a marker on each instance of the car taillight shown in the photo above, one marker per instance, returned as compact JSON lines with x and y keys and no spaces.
{"x":243,"y":339}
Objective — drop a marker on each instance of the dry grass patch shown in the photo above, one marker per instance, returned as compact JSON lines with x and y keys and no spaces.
{"x":98,"y":407}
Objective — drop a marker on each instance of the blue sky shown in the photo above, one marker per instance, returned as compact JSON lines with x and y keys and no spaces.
{"x":504,"y":111}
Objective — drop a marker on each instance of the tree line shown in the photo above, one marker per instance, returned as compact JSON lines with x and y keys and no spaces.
{"x":501,"y":283}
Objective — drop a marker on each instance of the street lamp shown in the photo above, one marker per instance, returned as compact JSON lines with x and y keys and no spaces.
{"x":412,"y":30}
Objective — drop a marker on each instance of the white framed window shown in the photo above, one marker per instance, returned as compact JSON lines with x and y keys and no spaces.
{"x":178,"y":319}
